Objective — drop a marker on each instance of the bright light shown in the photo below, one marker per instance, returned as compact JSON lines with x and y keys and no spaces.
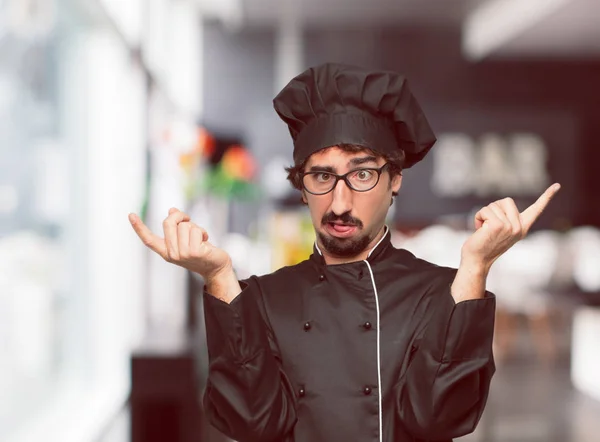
{"x":497,"y":22}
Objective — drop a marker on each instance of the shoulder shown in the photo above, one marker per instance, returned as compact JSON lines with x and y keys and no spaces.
{"x":422,"y":284}
{"x":413,"y":264}
{"x":412,"y":276}
{"x":278,"y":293}
{"x":286,"y":279}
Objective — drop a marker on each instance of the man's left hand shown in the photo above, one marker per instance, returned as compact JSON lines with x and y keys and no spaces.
{"x":499,"y":226}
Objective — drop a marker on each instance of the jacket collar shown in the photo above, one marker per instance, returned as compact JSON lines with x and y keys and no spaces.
{"x":375,"y":254}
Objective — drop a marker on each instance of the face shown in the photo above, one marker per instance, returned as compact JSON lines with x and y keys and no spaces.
{"x":347,"y":222}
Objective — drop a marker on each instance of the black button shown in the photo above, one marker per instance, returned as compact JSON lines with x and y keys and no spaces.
{"x":301,"y":392}
{"x":367,"y":325}
{"x":360,"y":274}
{"x":321,"y":277}
{"x":367,"y":391}
{"x":307,"y":326}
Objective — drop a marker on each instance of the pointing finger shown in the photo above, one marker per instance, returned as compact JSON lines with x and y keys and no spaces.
{"x":533,"y":212}
{"x":152,"y":241}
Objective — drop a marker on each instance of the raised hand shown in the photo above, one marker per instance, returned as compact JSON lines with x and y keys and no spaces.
{"x":184,"y":244}
{"x":499,"y":226}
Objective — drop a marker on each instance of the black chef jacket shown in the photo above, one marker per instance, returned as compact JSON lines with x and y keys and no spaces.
{"x":368,"y":351}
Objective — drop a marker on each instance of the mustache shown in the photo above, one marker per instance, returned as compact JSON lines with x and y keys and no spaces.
{"x":344,"y":218}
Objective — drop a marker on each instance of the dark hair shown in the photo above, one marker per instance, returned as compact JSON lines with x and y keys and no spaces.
{"x":396,"y":163}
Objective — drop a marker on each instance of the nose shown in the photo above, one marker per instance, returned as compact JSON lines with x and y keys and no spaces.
{"x":342,"y":198}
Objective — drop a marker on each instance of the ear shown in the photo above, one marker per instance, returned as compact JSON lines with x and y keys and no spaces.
{"x":304,"y":200}
{"x":396,"y":183}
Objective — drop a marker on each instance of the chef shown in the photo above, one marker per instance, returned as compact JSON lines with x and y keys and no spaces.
{"x":361,"y":341}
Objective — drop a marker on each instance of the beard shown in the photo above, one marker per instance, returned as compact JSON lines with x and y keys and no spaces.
{"x":343,"y":247}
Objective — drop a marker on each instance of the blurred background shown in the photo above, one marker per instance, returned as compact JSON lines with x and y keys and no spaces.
{"x":110,"y":106}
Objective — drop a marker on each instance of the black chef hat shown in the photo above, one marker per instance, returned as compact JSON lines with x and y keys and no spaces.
{"x":335,"y":104}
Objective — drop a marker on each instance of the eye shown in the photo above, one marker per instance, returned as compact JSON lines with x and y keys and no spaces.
{"x":364,"y":175}
{"x":323,"y":177}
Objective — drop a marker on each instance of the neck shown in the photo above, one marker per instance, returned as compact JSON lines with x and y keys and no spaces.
{"x":331,"y":259}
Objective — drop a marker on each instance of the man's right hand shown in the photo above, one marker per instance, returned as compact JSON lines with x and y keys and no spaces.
{"x":185,"y":244}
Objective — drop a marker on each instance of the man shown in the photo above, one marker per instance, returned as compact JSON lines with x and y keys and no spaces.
{"x":362,"y":341}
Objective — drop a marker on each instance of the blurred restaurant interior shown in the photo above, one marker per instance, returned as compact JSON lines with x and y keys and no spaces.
{"x":110,"y":107}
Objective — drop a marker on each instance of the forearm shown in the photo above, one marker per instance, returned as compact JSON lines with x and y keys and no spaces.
{"x":469,"y":282}
{"x":248,"y":397}
{"x":444,"y":400}
{"x":250,"y":402}
{"x":444,"y":389}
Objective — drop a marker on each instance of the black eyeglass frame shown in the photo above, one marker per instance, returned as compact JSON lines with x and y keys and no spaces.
{"x":344,"y":177}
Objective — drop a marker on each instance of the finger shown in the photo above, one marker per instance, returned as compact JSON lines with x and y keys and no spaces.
{"x":499,"y":212}
{"x":183,"y":239}
{"x":198,"y":237}
{"x":486,"y":215}
{"x":170,"y":229}
{"x":200,"y":232}
{"x":533,"y":212}
{"x":152,"y":241}
{"x":479,"y":219}
{"x":513,"y":215}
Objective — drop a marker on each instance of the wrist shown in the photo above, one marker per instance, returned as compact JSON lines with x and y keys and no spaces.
{"x":475,"y":265}
{"x":223,"y":284}
{"x":470,"y":280}
{"x":219,"y":274}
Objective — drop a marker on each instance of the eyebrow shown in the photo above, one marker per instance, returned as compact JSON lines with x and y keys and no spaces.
{"x":352,"y":162}
{"x":363,"y":160}
{"x":318,"y":168}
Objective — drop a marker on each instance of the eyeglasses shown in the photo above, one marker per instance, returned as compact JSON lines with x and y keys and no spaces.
{"x":359,"y":180}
